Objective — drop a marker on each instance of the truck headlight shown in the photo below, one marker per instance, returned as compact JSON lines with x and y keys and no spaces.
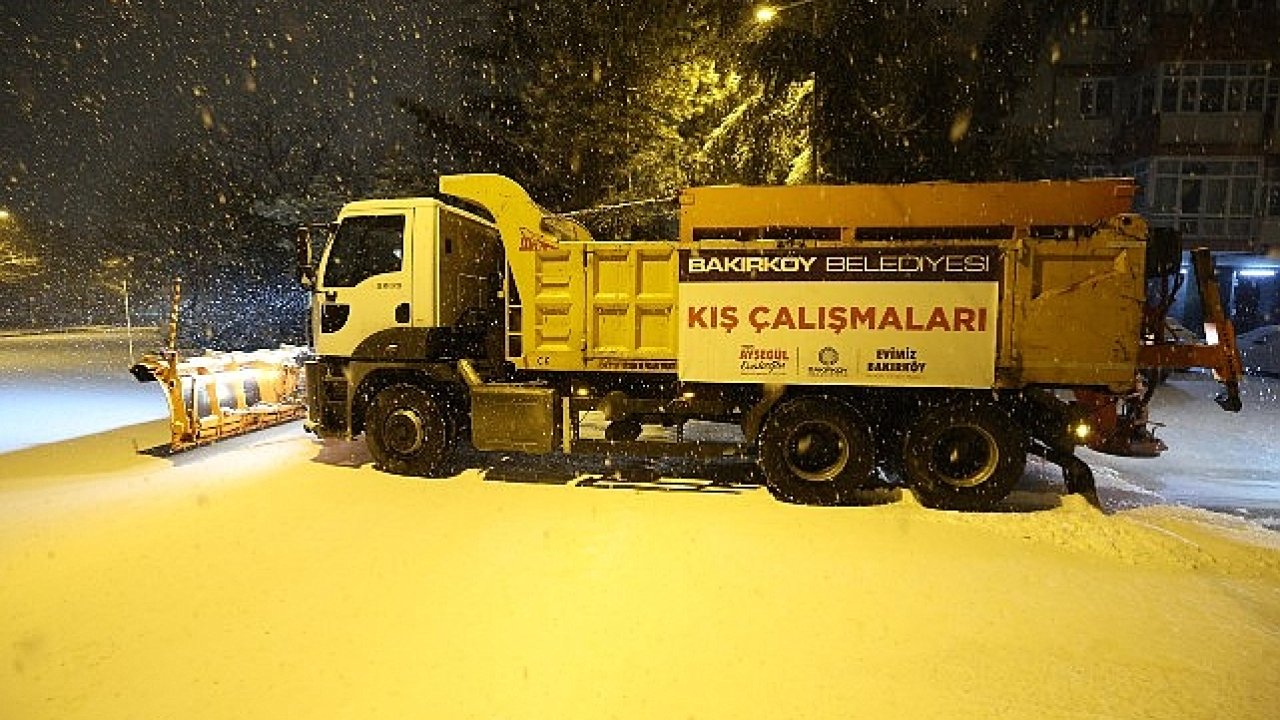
{"x":1081,"y":431}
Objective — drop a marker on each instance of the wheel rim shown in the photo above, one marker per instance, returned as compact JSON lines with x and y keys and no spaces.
{"x":403,"y":432}
{"x":816,"y":451}
{"x":965,"y":456}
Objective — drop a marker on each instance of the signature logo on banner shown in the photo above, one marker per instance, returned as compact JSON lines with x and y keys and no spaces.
{"x":756,"y":360}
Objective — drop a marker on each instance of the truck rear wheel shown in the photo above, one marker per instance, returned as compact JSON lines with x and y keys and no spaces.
{"x":964,"y":456}
{"x":408,"y":431}
{"x":816,"y":451}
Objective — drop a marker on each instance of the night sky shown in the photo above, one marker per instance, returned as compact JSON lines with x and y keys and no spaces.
{"x":88,"y":87}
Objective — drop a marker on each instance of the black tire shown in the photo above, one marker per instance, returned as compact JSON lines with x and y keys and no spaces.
{"x":963,"y":456}
{"x":816,"y":451}
{"x":408,"y":431}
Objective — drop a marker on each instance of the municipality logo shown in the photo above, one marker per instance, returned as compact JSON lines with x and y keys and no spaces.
{"x":828,"y":364}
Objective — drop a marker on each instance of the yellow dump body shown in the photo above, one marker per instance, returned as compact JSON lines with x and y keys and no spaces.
{"x":949,"y":285}
{"x":853,"y":210}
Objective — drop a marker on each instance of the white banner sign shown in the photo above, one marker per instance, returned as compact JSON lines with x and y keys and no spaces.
{"x":861,"y":317}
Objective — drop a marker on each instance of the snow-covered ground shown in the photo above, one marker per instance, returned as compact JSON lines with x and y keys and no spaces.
{"x":1218,"y":460}
{"x":275,"y":576}
{"x":56,"y":386}
{"x":60,"y":385}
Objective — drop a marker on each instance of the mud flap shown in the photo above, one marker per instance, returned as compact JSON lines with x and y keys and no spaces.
{"x":1078,"y":478}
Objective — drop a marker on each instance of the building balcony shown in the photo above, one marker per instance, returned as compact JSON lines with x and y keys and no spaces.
{"x":1220,"y":234}
{"x":1244,"y":133}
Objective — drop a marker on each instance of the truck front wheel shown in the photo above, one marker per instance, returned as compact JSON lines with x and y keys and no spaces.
{"x":963,"y":456}
{"x":816,"y":451}
{"x":407,"y":431}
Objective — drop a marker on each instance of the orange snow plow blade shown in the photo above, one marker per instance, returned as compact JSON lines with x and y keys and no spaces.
{"x":223,"y":394}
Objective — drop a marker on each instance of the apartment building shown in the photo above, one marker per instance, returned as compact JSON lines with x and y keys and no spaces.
{"x":1182,"y":95}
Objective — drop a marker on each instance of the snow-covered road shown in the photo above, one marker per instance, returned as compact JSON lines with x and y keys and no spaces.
{"x":1217,"y":460}
{"x":275,"y":576}
{"x":58,"y":386}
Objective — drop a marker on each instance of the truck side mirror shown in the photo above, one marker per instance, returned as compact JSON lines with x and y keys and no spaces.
{"x":306,"y":266}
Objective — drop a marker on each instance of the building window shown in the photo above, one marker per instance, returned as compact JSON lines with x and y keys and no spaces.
{"x":1210,"y":198}
{"x":1270,"y":115}
{"x":1095,"y":96}
{"x":1271,"y":194}
{"x":1273,"y":199}
{"x":1108,"y":13}
{"x":1186,"y":7}
{"x":1212,"y":87}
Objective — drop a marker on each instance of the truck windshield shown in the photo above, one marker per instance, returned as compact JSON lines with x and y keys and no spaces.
{"x":363,"y":247}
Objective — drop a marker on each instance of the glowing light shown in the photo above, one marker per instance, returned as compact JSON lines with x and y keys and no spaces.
{"x":4,"y":215}
{"x":1082,"y":431}
{"x":960,"y":125}
{"x":1211,"y":333}
{"x":767,"y":13}
{"x":1257,"y":273}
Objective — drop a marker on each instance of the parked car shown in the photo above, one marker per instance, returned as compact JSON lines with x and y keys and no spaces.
{"x":1260,"y":350}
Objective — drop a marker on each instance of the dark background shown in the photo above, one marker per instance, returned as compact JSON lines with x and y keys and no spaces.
{"x":91,"y":88}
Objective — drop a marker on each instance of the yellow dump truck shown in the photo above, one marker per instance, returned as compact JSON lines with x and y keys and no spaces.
{"x":928,"y":333}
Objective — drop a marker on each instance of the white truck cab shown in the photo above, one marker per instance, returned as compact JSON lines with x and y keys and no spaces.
{"x":400,"y":278}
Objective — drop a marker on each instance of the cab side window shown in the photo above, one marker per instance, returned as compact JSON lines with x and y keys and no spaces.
{"x":364,"y":247}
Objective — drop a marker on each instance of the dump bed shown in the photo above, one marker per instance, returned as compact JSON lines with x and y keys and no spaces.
{"x":946,"y":285}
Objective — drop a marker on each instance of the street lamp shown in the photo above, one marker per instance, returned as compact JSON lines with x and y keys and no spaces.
{"x":766,"y":14}
{"x":123,"y":264}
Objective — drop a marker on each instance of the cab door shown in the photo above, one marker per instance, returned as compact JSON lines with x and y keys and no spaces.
{"x":365,"y":286}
